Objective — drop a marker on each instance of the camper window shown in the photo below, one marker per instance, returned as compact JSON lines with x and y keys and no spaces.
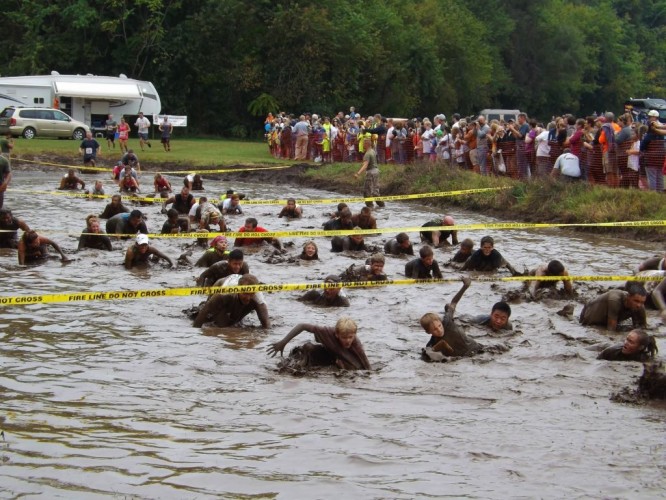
{"x":38,"y":100}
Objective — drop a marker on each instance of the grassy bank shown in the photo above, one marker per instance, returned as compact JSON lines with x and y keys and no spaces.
{"x":537,"y":201}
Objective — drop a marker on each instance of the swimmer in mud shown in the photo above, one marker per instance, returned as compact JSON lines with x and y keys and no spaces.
{"x":344,"y":221}
{"x":328,"y":297}
{"x":498,"y":319}
{"x":139,"y":252}
{"x":487,"y":259}
{"x":230,"y":308}
{"x":233,"y":265}
{"x":174,"y":223}
{"x":93,"y":236}
{"x":115,"y":207}
{"x":364,"y":219}
{"x":447,"y":338}
{"x":657,"y":263}
{"x":310,"y":251}
{"x":337,"y":346}
{"x":9,"y":226}
{"x":216,"y":253}
{"x":425,"y":267}
{"x":400,"y":245}
{"x":553,"y":268}
{"x":611,"y":308}
{"x":373,"y":271}
{"x":291,"y":210}
{"x":33,"y":248}
{"x":638,"y":346}
{"x":71,"y":181}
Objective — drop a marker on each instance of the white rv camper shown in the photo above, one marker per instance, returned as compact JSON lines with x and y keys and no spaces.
{"x":86,"y":98}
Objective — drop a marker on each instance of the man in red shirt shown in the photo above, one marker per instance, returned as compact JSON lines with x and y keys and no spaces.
{"x":251,"y":226}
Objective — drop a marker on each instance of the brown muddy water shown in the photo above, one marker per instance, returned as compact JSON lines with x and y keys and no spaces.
{"x":125,"y":399}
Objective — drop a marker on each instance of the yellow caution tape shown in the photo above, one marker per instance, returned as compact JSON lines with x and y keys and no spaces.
{"x":76,"y":194}
{"x":224,"y":170}
{"x":285,"y":287}
{"x":62,"y":165}
{"x":398,"y":197}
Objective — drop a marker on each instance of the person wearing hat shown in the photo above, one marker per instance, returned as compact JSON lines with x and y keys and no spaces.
{"x":126,"y":224}
{"x":330,"y":296}
{"x":140,"y":251}
{"x":654,"y":159}
{"x":217,"y":252}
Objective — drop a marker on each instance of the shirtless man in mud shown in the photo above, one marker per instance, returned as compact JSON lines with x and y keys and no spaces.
{"x":553,"y":268}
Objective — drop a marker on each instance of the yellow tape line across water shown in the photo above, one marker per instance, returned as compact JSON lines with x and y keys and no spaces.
{"x":23,"y":300}
{"x":76,"y":194}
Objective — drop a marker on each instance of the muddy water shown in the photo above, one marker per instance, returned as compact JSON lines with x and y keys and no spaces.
{"x":125,"y":399}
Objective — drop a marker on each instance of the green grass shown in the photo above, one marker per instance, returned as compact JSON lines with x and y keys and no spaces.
{"x":200,"y":152}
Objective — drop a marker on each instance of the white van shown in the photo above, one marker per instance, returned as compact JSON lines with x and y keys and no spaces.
{"x":500,"y":114}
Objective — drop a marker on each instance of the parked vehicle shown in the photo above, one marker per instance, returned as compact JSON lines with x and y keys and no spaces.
{"x":44,"y":122}
{"x":639,"y":108}
{"x":500,"y":114}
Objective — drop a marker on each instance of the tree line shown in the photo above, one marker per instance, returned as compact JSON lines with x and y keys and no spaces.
{"x":226,"y":63}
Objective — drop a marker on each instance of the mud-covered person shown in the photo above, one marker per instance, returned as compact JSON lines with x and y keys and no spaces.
{"x":115,"y":207}
{"x":637,"y":346}
{"x":613,"y":307}
{"x":217,"y":252}
{"x":364,"y":219}
{"x":230,"y":308}
{"x":336,"y":346}
{"x":70,"y":181}
{"x":554,"y":268}
{"x":487,"y":259}
{"x":425,"y":267}
{"x":291,"y":210}
{"x":400,"y":245}
{"x":139,"y":253}
{"x":233,"y":265}
{"x":447,"y":338}
{"x":351,"y":243}
{"x":464,"y":252}
{"x":437,"y":238}
{"x":310,"y":251}
{"x":33,"y":248}
{"x":9,"y":226}
{"x":498,"y":319}
{"x":372,"y":271}
{"x":93,"y":236}
{"x":343,"y":221}
{"x":328,"y":297}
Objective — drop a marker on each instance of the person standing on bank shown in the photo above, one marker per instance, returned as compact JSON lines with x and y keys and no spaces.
{"x":143,"y":125}
{"x":371,"y":186}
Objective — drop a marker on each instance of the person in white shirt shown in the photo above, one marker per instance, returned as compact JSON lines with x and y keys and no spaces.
{"x":542,"y":153}
{"x":567,"y":167}
{"x":143,"y":125}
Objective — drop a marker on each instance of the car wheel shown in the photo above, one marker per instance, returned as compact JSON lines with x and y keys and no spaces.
{"x":29,"y":133}
{"x":79,"y":134}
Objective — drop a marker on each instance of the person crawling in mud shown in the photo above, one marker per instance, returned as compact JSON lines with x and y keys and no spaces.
{"x":216,"y":253}
{"x":487,"y":259}
{"x":611,"y":308}
{"x":230,"y":308}
{"x":553,"y":268}
{"x":425,"y":267}
{"x":464,"y":252}
{"x":657,"y":263}
{"x":235,"y":264}
{"x":638,"y":346}
{"x":351,"y":243}
{"x":447,"y":338}
{"x":328,"y":297}
{"x":373,"y":271}
{"x":291,"y":210}
{"x":310,"y":251}
{"x":400,"y":245}
{"x":498,"y":319}
{"x":71,"y":181}
{"x":337,"y":346}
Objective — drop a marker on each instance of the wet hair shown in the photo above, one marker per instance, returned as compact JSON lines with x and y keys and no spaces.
{"x":377,"y":257}
{"x":248,"y":279}
{"x":345,"y":213}
{"x":291,"y":200}
{"x":345,"y":325}
{"x":467,"y":243}
{"x":428,"y":319}
{"x":172,"y":212}
{"x":236,"y":254}
{"x":90,"y":218}
{"x":116,"y":196}
{"x":342,"y":206}
{"x":30,"y":236}
{"x":235,"y":196}
{"x":647,"y":342}
{"x":5,"y":211}
{"x":136,"y":213}
{"x":554,"y":268}
{"x":366,"y":211}
{"x":487,"y":239}
{"x":316,"y":254}
{"x":425,"y":251}
{"x":637,"y":289}
{"x":252,"y":221}
{"x":502,"y":307}
{"x":402,"y":237}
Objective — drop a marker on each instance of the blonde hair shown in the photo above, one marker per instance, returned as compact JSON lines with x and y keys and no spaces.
{"x":428,"y":319}
{"x":345,"y":325}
